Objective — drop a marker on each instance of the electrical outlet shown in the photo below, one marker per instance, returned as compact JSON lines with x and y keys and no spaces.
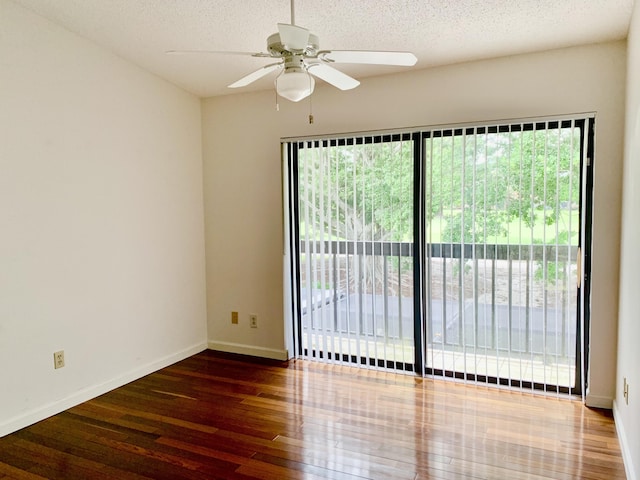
{"x":253,"y":321}
{"x":625,"y":390}
{"x":627,"y":396}
{"x":234,"y":318}
{"x":58,"y":359}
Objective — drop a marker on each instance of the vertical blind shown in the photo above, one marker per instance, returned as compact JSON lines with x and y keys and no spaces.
{"x":502,"y":225}
{"x":355,"y":229}
{"x":449,"y":252}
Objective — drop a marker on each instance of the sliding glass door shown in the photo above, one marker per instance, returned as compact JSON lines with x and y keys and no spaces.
{"x":502,"y":218}
{"x":450,"y":252}
{"x":354,"y":267}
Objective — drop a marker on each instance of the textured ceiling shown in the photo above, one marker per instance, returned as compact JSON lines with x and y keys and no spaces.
{"x":438,"y":32}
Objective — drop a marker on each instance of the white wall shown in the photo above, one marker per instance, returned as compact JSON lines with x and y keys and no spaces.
{"x":243,"y":180}
{"x":102,"y":231}
{"x":628,"y":415}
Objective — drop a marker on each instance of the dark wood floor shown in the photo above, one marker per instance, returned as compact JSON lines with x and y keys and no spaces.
{"x":217,"y":416}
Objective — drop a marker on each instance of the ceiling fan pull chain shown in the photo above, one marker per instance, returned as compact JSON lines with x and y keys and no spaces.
{"x":310,"y":102}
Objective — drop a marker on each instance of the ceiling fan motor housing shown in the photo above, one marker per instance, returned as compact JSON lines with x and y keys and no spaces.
{"x":277,"y":49}
{"x":294,"y":62}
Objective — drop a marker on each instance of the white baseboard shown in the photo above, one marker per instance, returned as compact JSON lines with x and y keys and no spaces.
{"x":597,"y":401}
{"x":624,"y":445}
{"x":48,"y":410}
{"x":252,"y":350}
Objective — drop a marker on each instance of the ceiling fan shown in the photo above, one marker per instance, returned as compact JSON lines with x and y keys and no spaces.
{"x":299,"y":60}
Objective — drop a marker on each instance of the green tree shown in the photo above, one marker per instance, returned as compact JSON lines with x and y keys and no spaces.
{"x":359,"y":192}
{"x":481,"y":183}
{"x":476,"y":186}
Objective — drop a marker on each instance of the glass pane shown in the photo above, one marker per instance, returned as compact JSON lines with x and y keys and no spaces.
{"x":356,"y":233}
{"x":502,"y":223}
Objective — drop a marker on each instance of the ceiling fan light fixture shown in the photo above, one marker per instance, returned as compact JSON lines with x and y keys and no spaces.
{"x":295,"y":84}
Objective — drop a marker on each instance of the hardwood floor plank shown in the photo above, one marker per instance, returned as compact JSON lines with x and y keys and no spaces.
{"x":158,"y":418}
{"x":13,"y":462}
{"x":16,"y":473}
{"x":52,"y":464}
{"x":221,"y":416}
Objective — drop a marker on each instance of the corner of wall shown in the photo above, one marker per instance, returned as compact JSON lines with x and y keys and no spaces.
{"x":251,"y":350}
{"x":45,"y":411}
{"x":598,"y":401}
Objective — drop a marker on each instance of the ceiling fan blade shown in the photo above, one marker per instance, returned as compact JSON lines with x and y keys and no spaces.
{"x":293,"y":37}
{"x":406,"y":59}
{"x":216,"y":52}
{"x":333,"y":76}
{"x":253,"y":76}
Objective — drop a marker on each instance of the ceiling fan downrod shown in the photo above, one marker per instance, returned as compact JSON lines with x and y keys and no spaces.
{"x":293,"y":16}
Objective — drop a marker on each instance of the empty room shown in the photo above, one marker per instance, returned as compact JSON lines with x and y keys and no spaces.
{"x":333,"y":239}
